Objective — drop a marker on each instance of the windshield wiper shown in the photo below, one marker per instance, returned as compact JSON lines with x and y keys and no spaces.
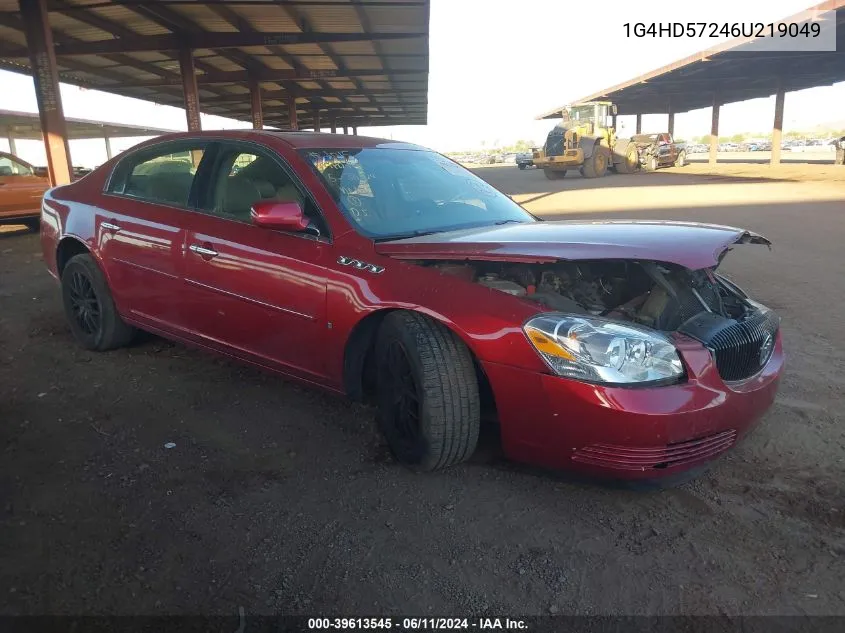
{"x":404,"y":236}
{"x":500,"y":222}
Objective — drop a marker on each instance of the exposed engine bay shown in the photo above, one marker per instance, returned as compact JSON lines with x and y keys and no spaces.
{"x":657,"y":295}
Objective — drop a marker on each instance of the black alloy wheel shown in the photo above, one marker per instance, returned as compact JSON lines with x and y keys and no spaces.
{"x":89,"y":306}
{"x":404,"y":415}
{"x":84,"y":304}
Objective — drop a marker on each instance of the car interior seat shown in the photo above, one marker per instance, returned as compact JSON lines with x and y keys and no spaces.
{"x":238,"y":196}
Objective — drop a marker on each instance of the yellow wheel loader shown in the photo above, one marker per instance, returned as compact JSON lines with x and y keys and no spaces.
{"x":586,"y":140}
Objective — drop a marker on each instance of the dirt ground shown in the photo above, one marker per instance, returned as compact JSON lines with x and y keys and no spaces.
{"x":281,"y":499}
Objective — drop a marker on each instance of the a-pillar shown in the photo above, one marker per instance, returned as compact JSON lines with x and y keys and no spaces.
{"x":777,"y":128}
{"x":316,"y":119}
{"x":714,"y":130}
{"x":42,"y":58}
{"x":256,"y":108}
{"x":189,"y":89}
{"x":639,"y":128}
{"x":109,"y":151}
{"x":292,"y":121}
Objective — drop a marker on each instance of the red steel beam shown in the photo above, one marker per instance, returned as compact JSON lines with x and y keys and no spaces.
{"x":255,"y":105}
{"x":189,"y":88}
{"x":204,"y":39}
{"x":269,"y":75}
{"x":292,"y":122}
{"x":39,"y":40}
{"x":777,"y":128}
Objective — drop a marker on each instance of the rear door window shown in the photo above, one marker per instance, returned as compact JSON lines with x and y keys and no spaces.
{"x":162,"y":174}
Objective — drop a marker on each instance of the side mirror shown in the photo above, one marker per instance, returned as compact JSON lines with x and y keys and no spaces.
{"x":282,"y":216}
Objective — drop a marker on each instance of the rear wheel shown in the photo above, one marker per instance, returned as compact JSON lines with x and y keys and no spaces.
{"x":596,"y":165}
{"x":554,"y":174}
{"x":681,"y":160}
{"x":89,"y":306}
{"x":427,"y":392}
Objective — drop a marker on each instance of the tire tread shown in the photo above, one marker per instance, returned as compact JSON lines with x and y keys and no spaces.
{"x":451,"y":405}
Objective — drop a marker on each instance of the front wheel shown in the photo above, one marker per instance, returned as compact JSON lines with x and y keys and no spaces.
{"x":89,"y":306}
{"x":596,"y":165}
{"x":427,"y":392}
{"x":681,"y":160}
{"x":630,"y":158}
{"x":651,"y":163}
{"x":521,"y":165}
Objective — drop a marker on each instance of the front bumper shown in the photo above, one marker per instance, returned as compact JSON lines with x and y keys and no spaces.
{"x":569,"y":158}
{"x":629,"y":433}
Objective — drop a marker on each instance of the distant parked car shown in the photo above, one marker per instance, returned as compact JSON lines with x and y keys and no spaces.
{"x":525,"y":159}
{"x":20,"y":191}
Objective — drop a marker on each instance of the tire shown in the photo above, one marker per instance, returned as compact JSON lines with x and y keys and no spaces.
{"x":33,"y":224}
{"x":521,"y":165}
{"x":651,"y":163}
{"x":554,"y":174}
{"x":630,"y":159}
{"x":681,"y":160}
{"x":439,"y":425}
{"x":89,"y":307}
{"x":596,"y":165}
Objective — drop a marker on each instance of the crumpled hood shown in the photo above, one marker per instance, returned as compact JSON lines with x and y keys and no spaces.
{"x":687,"y":244}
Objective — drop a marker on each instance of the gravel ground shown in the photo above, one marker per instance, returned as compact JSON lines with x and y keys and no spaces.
{"x":282,"y":499}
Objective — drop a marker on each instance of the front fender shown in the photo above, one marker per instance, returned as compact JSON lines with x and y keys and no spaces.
{"x":487,"y":321}
{"x":588,"y":144}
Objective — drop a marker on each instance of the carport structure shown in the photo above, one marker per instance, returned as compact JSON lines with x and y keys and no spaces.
{"x":727,"y":73}
{"x":292,"y":64}
{"x":17,"y":126}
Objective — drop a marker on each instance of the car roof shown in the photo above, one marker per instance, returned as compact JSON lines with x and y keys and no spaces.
{"x":15,"y":157}
{"x":295,"y":140}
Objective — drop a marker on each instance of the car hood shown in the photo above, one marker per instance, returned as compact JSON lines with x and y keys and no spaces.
{"x":687,"y":244}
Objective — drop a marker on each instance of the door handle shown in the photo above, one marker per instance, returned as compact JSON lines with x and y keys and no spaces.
{"x":202,"y":250}
{"x":108,"y":226}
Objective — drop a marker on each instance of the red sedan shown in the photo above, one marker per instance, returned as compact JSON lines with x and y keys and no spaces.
{"x":385,"y":271}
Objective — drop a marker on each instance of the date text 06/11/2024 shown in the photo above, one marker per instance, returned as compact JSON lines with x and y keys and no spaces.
{"x":418,"y":624}
{"x":719,"y":30}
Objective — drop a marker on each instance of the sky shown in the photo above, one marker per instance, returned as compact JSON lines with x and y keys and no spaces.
{"x":496,"y":64}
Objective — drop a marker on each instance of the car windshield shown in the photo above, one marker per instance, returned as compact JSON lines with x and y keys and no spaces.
{"x":391,"y":193}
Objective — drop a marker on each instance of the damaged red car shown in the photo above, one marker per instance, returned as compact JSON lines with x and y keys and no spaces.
{"x":387,"y":272}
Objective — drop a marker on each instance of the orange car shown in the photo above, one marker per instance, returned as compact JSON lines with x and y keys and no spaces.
{"x":21,"y":190}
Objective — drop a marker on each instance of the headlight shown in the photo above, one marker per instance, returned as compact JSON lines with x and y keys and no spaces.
{"x":595,"y":350}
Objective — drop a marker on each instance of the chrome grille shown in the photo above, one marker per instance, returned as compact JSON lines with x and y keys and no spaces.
{"x":739,"y":348}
